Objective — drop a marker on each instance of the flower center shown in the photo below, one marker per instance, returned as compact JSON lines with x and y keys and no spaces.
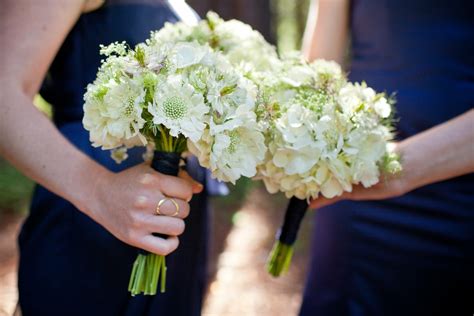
{"x":234,"y":141}
{"x":129,"y":109}
{"x":174,"y":107}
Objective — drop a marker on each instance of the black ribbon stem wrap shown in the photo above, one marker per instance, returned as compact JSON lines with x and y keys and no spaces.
{"x":294,"y":215}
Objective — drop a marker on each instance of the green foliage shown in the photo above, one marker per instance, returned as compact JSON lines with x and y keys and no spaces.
{"x":290,"y":19}
{"x":15,"y":189}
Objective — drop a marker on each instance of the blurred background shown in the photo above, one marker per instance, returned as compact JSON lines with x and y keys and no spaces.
{"x":244,"y":223}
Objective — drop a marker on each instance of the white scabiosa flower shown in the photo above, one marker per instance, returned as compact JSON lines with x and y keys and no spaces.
{"x":179,"y":107}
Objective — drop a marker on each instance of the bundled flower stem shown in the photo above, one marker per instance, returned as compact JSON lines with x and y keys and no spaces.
{"x":282,"y":252}
{"x":149,"y":268}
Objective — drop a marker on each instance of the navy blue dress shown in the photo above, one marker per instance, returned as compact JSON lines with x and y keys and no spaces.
{"x":69,"y":264}
{"x":412,"y":255}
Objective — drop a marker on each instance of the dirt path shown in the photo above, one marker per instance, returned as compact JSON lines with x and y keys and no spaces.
{"x":241,"y":285}
{"x":9,"y":227}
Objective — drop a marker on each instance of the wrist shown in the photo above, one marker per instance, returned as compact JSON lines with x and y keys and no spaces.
{"x":409,"y":176}
{"x":87,"y":185}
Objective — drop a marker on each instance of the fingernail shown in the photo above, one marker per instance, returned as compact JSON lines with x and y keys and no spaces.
{"x":198,"y":187}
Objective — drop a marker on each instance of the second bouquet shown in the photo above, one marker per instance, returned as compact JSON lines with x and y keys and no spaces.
{"x":168,"y":97}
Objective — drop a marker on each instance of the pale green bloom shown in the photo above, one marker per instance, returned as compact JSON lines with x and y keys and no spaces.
{"x":113,"y":113}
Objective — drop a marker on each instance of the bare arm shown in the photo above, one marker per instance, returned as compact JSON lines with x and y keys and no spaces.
{"x":440,"y":153}
{"x":326,"y":31}
{"x":32,"y":31}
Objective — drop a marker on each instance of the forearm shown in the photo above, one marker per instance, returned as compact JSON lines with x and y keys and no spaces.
{"x":442,"y":152}
{"x":327,"y":30}
{"x":33,"y":144}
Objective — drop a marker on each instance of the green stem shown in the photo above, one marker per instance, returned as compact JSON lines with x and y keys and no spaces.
{"x":163,"y":275}
{"x":280,"y":259}
{"x":139,"y":276}
{"x":148,"y":273}
{"x":133,"y":276}
{"x":164,"y":139}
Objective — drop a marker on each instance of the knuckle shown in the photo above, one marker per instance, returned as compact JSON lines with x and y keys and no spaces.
{"x":147,"y":178}
{"x":130,"y":237}
{"x":151,"y":178}
{"x":141,"y":201}
{"x":134,"y":221}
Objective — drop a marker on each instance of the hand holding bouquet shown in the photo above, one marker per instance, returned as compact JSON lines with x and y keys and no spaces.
{"x":167,"y":96}
{"x":324,"y":135}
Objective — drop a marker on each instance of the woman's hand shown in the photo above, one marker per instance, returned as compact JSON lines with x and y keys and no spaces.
{"x":125,"y":204}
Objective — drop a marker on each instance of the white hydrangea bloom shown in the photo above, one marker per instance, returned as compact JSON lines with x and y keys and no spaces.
{"x":326,"y":134}
{"x":231,"y":154}
{"x":113,"y":113}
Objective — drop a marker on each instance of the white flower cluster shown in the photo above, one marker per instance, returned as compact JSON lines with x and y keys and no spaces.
{"x":167,"y":93}
{"x":324,"y":134}
{"x":242,"y":46}
{"x":220,"y":90}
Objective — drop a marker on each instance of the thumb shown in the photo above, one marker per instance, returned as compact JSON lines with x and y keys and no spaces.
{"x":321,"y":201}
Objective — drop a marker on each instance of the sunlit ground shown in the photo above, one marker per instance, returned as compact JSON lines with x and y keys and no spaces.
{"x":241,"y":285}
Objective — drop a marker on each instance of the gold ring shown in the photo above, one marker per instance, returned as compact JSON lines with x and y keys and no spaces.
{"x":163,"y":200}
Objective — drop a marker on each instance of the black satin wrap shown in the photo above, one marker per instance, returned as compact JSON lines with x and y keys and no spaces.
{"x":293,"y":217}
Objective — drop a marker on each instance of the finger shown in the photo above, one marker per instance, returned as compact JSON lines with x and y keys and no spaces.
{"x":168,"y":208}
{"x":149,"y":204}
{"x":170,"y":186}
{"x":158,"y":245}
{"x":322,"y":201}
{"x":197,"y":187}
{"x":165,"y":225}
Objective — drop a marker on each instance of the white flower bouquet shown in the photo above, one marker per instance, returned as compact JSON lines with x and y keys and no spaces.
{"x":168,"y":97}
{"x":324,"y":135}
